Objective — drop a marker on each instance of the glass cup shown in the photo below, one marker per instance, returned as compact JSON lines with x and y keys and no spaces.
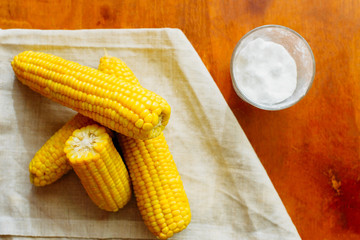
{"x":297,"y":47}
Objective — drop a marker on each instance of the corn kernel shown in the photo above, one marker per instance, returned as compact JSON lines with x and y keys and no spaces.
{"x":147,"y":126}
{"x":163,"y":236}
{"x":139,"y":123}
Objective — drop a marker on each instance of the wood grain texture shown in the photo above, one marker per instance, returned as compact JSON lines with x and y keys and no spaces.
{"x":311,"y":150}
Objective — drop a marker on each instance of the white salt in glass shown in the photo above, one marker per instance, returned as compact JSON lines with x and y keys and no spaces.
{"x":296,"y":46}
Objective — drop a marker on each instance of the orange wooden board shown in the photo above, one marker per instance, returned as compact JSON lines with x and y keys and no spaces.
{"x":311,"y":150}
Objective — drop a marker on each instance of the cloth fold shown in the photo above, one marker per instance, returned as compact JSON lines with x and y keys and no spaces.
{"x":230,"y":194}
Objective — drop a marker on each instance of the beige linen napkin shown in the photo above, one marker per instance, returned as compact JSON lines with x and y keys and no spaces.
{"x":230,"y":194}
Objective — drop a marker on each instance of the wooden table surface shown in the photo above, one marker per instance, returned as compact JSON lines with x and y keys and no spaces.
{"x":311,"y":150}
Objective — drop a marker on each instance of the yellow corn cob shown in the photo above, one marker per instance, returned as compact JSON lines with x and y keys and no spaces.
{"x":50,"y":162}
{"x":95,"y":160}
{"x":111,"y":101}
{"x":158,"y":188}
{"x":180,"y":205}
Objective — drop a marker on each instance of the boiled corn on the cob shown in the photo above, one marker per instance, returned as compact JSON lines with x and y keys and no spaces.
{"x":158,"y":188}
{"x":50,"y":162}
{"x":160,"y":194}
{"x":102,"y":172}
{"x":111,"y":101}
{"x":152,"y":195}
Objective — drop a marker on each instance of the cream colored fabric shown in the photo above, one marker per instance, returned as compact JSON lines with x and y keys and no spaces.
{"x":230,"y":194}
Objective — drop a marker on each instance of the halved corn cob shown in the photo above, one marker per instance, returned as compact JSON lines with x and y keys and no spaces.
{"x":95,"y":160}
{"x":158,"y":188}
{"x":111,"y":101}
{"x":50,"y":162}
